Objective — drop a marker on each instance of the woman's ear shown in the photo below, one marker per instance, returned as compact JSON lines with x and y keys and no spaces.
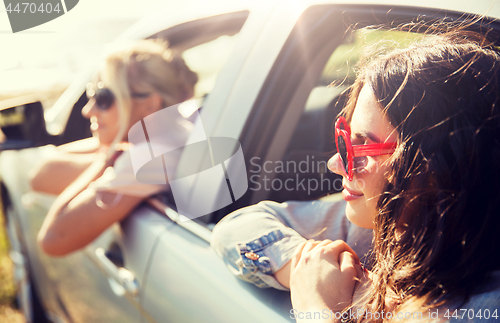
{"x":155,"y":103}
{"x":160,"y":102}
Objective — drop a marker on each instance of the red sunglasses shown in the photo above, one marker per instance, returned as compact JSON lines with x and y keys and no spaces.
{"x":347,"y":151}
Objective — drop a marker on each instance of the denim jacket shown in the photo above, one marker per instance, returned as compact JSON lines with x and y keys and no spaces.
{"x":258,"y":240}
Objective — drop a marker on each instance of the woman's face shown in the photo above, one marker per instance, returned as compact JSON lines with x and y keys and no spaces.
{"x":104,"y":123}
{"x":368,"y":126}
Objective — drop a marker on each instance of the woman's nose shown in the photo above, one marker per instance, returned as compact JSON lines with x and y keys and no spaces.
{"x":89,"y":109}
{"x":335,"y":164}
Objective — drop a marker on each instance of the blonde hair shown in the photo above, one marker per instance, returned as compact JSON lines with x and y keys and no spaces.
{"x":143,"y":67}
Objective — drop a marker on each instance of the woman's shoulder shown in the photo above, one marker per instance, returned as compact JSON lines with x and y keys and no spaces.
{"x":87,"y":145}
{"x":488,"y":295}
{"x":484,"y":304}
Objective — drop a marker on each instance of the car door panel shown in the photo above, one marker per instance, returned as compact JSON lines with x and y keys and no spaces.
{"x":84,"y":292}
{"x":76,"y":287}
{"x":188,"y":282}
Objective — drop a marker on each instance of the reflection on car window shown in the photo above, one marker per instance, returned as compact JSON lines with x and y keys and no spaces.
{"x":207,"y":60}
{"x":312,"y":142}
{"x":341,"y":64}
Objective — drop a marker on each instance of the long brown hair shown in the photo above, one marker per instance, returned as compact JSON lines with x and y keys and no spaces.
{"x":437,"y":232}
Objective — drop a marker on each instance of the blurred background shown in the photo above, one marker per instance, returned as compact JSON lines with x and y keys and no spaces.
{"x":43,"y":60}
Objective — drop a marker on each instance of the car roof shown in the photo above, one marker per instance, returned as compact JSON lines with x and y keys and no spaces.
{"x":165,"y":17}
{"x":490,"y":8}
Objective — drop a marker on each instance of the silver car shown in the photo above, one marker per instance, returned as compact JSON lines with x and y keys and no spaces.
{"x":264,"y":74}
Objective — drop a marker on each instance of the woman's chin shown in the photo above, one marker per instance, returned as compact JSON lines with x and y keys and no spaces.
{"x":359,"y":216}
{"x":103,"y":139}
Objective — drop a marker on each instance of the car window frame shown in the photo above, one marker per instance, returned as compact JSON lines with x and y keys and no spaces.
{"x":266,"y":132}
{"x":267,"y":135}
{"x":228,"y":23}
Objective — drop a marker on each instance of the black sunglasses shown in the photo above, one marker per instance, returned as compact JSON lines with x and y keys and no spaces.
{"x":104,"y":98}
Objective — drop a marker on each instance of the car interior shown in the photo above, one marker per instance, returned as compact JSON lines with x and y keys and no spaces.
{"x":311,"y":141}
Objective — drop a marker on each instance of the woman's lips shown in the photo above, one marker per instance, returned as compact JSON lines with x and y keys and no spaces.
{"x":350,"y":195}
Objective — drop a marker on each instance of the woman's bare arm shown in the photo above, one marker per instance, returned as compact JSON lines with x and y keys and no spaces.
{"x":52,"y":175}
{"x":74,"y":220}
{"x":283,"y":275}
{"x":78,"y":223}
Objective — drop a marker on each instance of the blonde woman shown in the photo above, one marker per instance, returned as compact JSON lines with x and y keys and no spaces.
{"x":94,"y":177}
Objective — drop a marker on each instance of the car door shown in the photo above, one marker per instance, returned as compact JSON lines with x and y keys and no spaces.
{"x":87,"y":285}
{"x":187,"y":282}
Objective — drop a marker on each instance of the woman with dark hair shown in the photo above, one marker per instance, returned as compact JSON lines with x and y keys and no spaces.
{"x":419,"y":151}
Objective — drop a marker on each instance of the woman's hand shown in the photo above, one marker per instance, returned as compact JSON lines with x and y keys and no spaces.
{"x":323,"y":276}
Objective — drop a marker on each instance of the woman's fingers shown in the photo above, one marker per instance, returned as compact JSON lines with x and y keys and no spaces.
{"x":323,"y":275}
{"x":359,"y":270}
{"x":310,"y":244}
{"x":350,"y":272}
{"x":332,"y":249}
{"x":348,"y":264}
{"x":325,"y":242}
{"x":303,"y":248}
{"x":335,"y":248}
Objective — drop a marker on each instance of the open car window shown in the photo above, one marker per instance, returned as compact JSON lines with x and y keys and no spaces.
{"x":206,"y":49}
{"x":288,"y":137}
{"x":302,"y":172}
{"x":68,"y":125}
{"x":207,"y":60}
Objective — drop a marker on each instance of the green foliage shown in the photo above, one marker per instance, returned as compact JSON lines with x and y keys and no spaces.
{"x":7,"y":286}
{"x":340,"y":67}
